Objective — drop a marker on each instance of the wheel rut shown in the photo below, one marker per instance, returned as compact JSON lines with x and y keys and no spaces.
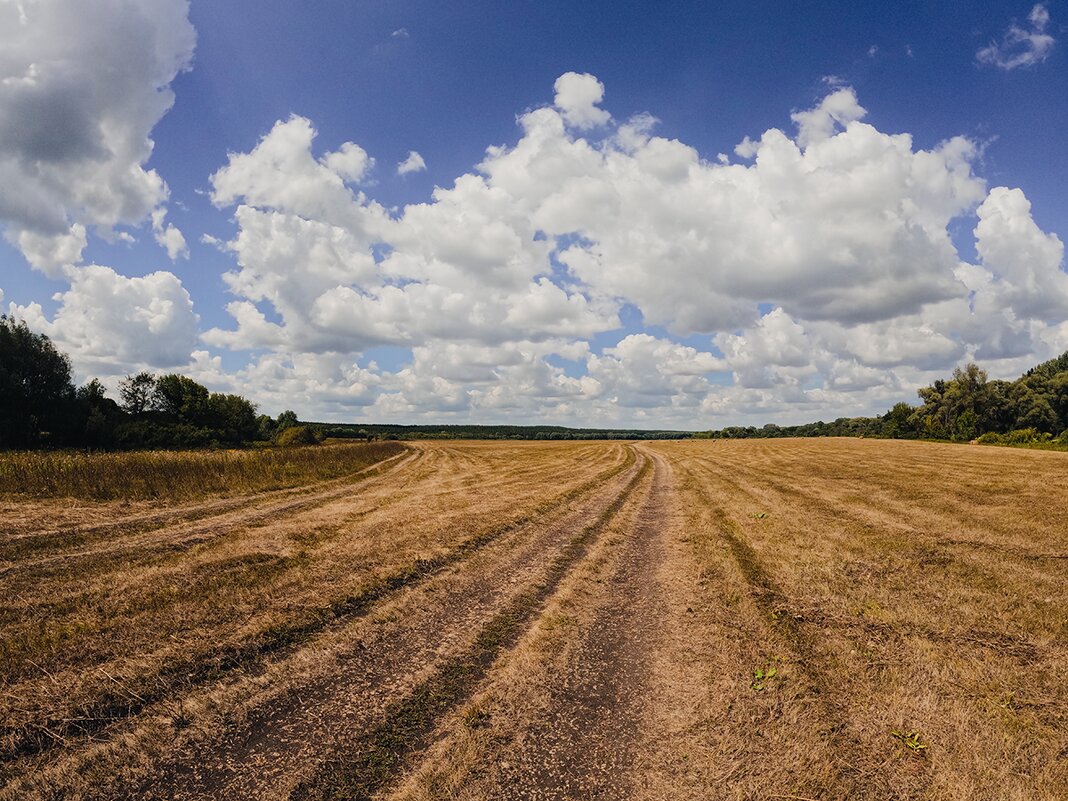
{"x":586,"y":747}
{"x":379,"y":756}
{"x":385,"y":651}
{"x":98,"y":720}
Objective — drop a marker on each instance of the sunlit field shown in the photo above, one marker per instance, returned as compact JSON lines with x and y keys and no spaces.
{"x":815,"y":619}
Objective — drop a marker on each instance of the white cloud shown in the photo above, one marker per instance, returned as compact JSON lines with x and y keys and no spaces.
{"x":577,"y":97}
{"x":1025,"y":262}
{"x":837,"y":109}
{"x":111,"y":324}
{"x":412,"y":163}
{"x":81,"y":87}
{"x":350,"y":161}
{"x":168,"y":236}
{"x":1021,"y":46}
{"x":498,"y":285}
{"x":400,"y":33}
{"x":53,"y":254}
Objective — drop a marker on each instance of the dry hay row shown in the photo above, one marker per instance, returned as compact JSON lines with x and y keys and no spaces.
{"x":137,"y":529}
{"x":280,"y":733}
{"x":856,"y":769}
{"x":122,"y":698}
{"x":154,"y":539}
{"x":917,"y":637}
{"x":381,"y":754}
{"x":903,"y":562}
{"x":908,"y":549}
{"x":900,"y":543}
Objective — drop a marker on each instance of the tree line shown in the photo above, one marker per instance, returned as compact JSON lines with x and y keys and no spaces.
{"x":41,"y":407}
{"x":967,"y":406}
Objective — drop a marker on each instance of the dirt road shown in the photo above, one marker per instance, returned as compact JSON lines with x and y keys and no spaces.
{"x":694,"y":620}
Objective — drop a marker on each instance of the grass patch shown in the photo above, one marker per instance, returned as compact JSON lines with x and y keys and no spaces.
{"x":181,"y":475}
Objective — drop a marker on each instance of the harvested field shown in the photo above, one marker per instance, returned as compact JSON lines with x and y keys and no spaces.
{"x":790,"y":619}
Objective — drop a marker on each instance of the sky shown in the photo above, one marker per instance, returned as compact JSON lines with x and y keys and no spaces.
{"x":685,"y":215}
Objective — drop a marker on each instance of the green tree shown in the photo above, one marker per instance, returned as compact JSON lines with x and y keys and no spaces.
{"x":895,"y":423}
{"x":182,"y":398}
{"x":35,"y":385}
{"x":233,"y":416}
{"x":137,"y":392}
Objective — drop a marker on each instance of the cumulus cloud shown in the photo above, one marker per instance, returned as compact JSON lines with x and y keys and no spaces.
{"x":81,"y":87}
{"x":111,"y":324}
{"x":1024,"y":262}
{"x":412,"y":163}
{"x":501,"y":280}
{"x":577,"y":97}
{"x":168,"y":236}
{"x":817,"y":277}
{"x":1021,"y":45}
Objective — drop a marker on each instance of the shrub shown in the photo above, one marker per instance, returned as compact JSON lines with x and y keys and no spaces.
{"x":990,"y":438}
{"x":1025,"y":436}
{"x":296,"y":436}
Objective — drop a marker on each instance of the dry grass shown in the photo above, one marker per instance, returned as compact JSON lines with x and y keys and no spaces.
{"x":180,"y":475}
{"x":129,"y":618}
{"x":831,"y":619}
{"x":911,"y":597}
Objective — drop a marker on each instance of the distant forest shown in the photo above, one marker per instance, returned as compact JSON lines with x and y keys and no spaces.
{"x":968,"y":406}
{"x":41,"y":407}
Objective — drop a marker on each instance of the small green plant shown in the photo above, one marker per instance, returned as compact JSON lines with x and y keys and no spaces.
{"x":760,"y":515}
{"x":761,"y":677}
{"x":911,"y":739}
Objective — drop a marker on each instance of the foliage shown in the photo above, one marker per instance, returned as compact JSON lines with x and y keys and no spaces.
{"x":40,"y":406}
{"x":36,"y":393}
{"x":968,"y":406}
{"x":295,"y":436}
{"x":911,"y":740}
{"x":500,"y":432}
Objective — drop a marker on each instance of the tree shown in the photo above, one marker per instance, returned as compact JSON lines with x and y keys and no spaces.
{"x":96,"y":416}
{"x":287,"y":419}
{"x":896,"y":422}
{"x":182,"y":398}
{"x":35,"y":385}
{"x":233,"y":416}
{"x":137,"y":392}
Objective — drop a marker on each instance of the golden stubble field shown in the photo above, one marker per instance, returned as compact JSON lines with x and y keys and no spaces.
{"x":783,"y":619}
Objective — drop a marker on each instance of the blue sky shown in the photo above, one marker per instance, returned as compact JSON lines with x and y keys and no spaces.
{"x":804,"y":318}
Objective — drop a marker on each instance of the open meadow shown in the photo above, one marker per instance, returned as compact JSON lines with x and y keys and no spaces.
{"x":804,"y":619}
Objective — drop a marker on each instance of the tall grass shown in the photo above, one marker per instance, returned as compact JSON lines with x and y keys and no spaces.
{"x":178,"y":475}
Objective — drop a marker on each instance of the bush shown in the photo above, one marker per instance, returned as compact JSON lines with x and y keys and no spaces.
{"x":296,"y":436}
{"x":1025,"y":436}
{"x":990,"y":438}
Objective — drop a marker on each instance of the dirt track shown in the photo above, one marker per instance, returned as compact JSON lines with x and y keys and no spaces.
{"x":794,"y":619}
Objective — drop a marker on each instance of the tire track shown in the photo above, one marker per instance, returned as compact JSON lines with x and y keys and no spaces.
{"x":379,"y":756}
{"x":94,"y":720}
{"x":586,"y":746}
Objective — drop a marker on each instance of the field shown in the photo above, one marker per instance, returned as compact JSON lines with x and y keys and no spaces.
{"x":776,"y":619}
